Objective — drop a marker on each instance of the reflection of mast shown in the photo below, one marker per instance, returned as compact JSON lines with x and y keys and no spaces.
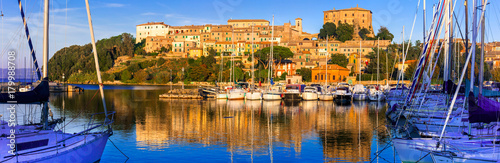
{"x":252,"y":122}
{"x":269,"y":132}
{"x":326,"y":128}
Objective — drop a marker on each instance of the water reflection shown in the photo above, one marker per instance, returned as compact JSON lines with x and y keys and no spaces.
{"x":238,"y":131}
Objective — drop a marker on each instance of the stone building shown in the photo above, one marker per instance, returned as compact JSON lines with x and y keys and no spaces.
{"x":359,"y":17}
{"x":150,"y":29}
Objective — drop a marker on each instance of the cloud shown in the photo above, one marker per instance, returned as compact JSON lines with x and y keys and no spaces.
{"x":114,"y":5}
{"x":149,"y":14}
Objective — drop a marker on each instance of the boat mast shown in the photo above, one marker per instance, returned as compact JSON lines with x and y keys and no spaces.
{"x":253,"y":64}
{"x":45,"y":110}
{"x":326,"y":62}
{"x":425,"y":32}
{"x":401,"y":74}
{"x":378,"y":59}
{"x":272,"y":48}
{"x":481,"y":62}
{"x":96,"y":60}
{"x":359,"y":62}
{"x":232,"y":56}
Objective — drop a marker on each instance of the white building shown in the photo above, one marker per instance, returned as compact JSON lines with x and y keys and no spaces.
{"x":150,"y":29}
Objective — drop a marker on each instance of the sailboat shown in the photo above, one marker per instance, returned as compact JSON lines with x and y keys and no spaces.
{"x":253,"y":94}
{"x":236,"y":92}
{"x":377,"y":94}
{"x":44,"y":144}
{"x":272,"y":93}
{"x":327,"y":92}
{"x":359,"y":91}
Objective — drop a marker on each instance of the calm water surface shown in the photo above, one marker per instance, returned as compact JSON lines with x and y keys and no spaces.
{"x":149,"y":129}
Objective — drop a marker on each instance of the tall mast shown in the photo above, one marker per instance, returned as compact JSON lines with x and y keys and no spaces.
{"x":45,"y":110}
{"x":272,"y":48}
{"x":481,"y":62}
{"x":466,"y":26}
{"x":473,"y":53}
{"x":378,"y":59}
{"x":253,"y":62}
{"x":425,"y":31}
{"x":46,"y":39}
{"x":359,"y":62}
{"x":232,"y":56}
{"x":401,"y":74}
{"x":96,"y":59}
{"x":326,"y":62}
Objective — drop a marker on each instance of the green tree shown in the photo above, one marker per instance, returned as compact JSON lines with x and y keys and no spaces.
{"x":279,"y":53}
{"x":344,"y":32}
{"x":339,"y":59}
{"x":283,"y":76}
{"x":495,"y":74}
{"x":384,"y":34}
{"x":306,"y":74}
{"x":363,"y":32}
{"x":141,"y":76}
{"x":125,"y":75}
{"x":410,"y":70}
{"x":328,"y":29}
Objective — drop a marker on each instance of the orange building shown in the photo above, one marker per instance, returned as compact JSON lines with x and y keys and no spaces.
{"x":336,"y":73}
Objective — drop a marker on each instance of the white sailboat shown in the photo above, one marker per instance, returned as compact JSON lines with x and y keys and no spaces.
{"x":236,"y":92}
{"x":272,"y":93}
{"x":377,"y":94}
{"x":253,"y":94}
{"x":326,"y":94}
{"x":46,"y":145}
{"x":359,"y":93}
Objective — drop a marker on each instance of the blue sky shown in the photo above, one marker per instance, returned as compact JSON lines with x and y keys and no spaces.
{"x":113,"y":17}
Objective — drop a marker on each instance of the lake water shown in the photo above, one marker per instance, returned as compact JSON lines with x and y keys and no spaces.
{"x":149,"y":129}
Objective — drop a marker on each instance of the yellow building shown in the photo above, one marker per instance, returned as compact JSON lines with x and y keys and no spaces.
{"x":336,"y":73}
{"x":356,"y":16}
{"x":195,"y":52}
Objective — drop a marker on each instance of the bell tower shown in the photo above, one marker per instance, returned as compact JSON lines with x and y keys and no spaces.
{"x":298,"y":25}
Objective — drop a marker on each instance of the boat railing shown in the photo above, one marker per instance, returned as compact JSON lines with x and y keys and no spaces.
{"x":93,"y":124}
{"x":109,"y":118}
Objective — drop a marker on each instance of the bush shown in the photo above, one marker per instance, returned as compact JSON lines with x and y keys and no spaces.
{"x":125,"y":75}
{"x":141,"y":76}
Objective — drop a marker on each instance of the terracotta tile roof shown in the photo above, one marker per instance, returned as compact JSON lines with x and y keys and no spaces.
{"x":331,"y":67}
{"x":153,"y":23}
{"x":247,"y":20}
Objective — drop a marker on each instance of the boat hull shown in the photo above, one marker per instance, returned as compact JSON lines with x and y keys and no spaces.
{"x":359,"y":97}
{"x":221,"y":96}
{"x":309,"y":96}
{"x":292,"y":97}
{"x":271,"y":97}
{"x":236,"y":96}
{"x":253,"y":96}
{"x":325,"y":97}
{"x":87,"y":149}
{"x":343,"y":99}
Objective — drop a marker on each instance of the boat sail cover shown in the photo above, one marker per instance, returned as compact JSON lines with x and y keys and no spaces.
{"x":37,"y":95}
{"x":482,"y":109}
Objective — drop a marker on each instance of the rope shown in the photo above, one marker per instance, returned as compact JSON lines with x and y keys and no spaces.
{"x":119,"y":149}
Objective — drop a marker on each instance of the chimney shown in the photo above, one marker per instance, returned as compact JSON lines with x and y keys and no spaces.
{"x":357,"y":5}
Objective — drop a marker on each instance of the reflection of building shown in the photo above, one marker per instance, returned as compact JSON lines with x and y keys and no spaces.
{"x":346,"y":135}
{"x":336,"y":73}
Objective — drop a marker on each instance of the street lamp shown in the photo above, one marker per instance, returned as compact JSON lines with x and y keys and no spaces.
{"x":63,"y":82}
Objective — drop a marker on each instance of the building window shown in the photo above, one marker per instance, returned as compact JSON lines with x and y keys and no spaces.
{"x":316,"y":77}
{"x":321,"y":77}
{"x":333,"y":78}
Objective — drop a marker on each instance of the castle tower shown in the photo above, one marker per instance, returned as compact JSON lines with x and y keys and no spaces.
{"x":298,"y":25}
